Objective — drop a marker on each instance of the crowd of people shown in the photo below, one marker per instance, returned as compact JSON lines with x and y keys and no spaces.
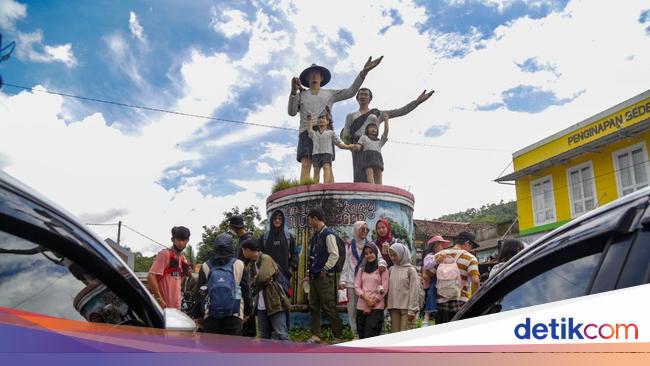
{"x":244,"y":285}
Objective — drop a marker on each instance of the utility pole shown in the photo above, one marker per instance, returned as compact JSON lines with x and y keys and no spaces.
{"x":119,"y":231}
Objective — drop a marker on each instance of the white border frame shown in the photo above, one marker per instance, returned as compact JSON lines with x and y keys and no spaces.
{"x":619,"y":189}
{"x":532,"y":200}
{"x":593,"y":185}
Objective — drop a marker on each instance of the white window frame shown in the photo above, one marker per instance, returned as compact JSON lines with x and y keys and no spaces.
{"x":625,"y":150}
{"x":532,"y":196}
{"x":593,"y":186}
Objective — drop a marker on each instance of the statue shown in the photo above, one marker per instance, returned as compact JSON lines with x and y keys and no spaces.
{"x":312,"y":101}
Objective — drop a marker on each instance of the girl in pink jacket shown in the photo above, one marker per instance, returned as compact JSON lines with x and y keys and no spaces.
{"x":371,"y":286}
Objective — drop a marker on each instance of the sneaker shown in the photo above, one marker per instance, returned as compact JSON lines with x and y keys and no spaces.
{"x":313,"y":340}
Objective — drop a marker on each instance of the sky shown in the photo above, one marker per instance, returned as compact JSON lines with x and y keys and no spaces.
{"x":506,"y":74}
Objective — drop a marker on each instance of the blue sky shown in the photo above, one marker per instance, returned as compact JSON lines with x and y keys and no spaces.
{"x":491,"y":62}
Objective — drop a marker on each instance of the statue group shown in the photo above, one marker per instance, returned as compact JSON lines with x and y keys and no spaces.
{"x":360,"y":135}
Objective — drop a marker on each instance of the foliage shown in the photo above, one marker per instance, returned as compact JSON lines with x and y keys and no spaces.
{"x":142,"y":263}
{"x":491,"y":213}
{"x":250,"y":214}
{"x":300,"y":334}
{"x":189,"y":254}
{"x":283,"y":183}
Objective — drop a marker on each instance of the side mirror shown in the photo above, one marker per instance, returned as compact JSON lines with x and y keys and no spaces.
{"x":178,"y":320}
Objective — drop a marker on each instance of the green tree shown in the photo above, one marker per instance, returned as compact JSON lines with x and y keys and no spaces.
{"x":250,"y":214}
{"x":189,"y":253}
{"x":491,"y":213}
{"x":142,"y":263}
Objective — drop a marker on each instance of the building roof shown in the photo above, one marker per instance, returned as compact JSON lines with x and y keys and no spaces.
{"x":584,"y":123}
{"x":446,"y":228}
{"x":555,"y":149}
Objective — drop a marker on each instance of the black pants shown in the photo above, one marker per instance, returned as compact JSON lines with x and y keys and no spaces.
{"x":249,"y":329}
{"x":446,"y":311}
{"x":231,"y":325}
{"x":370,"y":325}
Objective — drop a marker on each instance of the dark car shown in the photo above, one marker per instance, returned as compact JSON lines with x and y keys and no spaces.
{"x":603,"y":250}
{"x":53,"y":265}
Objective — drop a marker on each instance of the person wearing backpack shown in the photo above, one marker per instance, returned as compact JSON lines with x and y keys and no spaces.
{"x":224,"y":289}
{"x":434,"y":245}
{"x":168,"y":269}
{"x":237,"y":227}
{"x":324,"y":261}
{"x":405,"y":292}
{"x":269,"y":297}
{"x":353,"y":261}
{"x":456,"y":273}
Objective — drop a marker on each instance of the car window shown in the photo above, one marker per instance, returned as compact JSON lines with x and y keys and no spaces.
{"x":636,"y":270}
{"x":36,"y":279}
{"x":564,"y":281}
{"x":611,"y":266}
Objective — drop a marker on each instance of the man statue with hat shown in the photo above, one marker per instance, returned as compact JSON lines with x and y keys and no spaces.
{"x":314,"y":100}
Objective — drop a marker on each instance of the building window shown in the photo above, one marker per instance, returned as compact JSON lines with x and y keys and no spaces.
{"x":582,"y":190}
{"x":632,"y":169}
{"x":543,"y":201}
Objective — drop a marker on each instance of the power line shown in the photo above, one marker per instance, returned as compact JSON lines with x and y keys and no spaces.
{"x":101,"y":224}
{"x":185,"y":114}
{"x":144,"y":236}
{"x":153,"y":109}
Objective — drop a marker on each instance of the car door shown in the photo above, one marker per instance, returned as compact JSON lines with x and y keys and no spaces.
{"x":50,"y":265}
{"x":589,"y":258}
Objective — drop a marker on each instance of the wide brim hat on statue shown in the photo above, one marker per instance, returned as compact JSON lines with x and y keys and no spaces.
{"x":325,"y":73}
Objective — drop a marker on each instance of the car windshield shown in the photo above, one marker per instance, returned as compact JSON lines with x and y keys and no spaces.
{"x":36,"y":279}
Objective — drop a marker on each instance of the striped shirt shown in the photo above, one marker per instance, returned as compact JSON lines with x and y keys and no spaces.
{"x":467,"y":265}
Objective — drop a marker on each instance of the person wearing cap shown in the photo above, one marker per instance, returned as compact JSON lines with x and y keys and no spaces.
{"x":469,"y":275}
{"x":312,"y":101}
{"x":167,"y":270}
{"x":357,"y":122}
{"x":323,"y":141}
{"x":222,"y":253}
{"x":434,"y":245}
{"x":237,"y":228}
{"x":269,"y":297}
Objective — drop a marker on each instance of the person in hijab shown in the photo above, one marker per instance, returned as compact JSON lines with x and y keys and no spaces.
{"x":280,"y":244}
{"x":403,"y":289}
{"x":223,"y":252}
{"x":370,"y":285}
{"x":384,"y":239}
{"x":353,"y":261}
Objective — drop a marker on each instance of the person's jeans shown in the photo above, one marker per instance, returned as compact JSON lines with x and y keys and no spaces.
{"x":274,"y":326}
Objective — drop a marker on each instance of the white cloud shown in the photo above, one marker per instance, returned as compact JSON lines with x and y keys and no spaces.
{"x":31,"y":47}
{"x":263,"y":168}
{"x":230,"y":22}
{"x":10,"y":12}
{"x":134,"y":26}
{"x":277,"y":152}
{"x":122,"y":59}
{"x":107,"y":169}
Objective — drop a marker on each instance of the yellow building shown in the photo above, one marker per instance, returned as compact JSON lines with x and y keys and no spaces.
{"x":582,"y":167}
